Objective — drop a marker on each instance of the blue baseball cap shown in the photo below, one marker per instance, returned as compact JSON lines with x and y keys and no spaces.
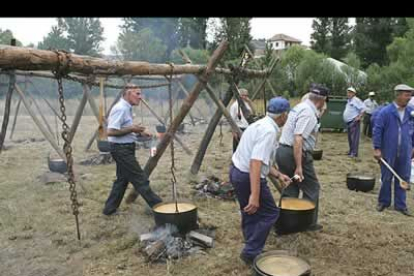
{"x":278,"y":105}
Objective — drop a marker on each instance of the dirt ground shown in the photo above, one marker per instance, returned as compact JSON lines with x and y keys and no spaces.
{"x":38,"y":236}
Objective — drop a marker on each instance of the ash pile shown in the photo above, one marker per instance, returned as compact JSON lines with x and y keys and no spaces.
{"x":167,"y":243}
{"x":102,"y":158}
{"x":213,"y":187}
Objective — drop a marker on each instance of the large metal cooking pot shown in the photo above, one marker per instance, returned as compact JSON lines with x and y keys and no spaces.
{"x":280,"y":263}
{"x":296,"y":215}
{"x":56,"y":164}
{"x":185,"y":218}
{"x":360,"y":182}
{"x":317,"y":154}
{"x":104,"y":146}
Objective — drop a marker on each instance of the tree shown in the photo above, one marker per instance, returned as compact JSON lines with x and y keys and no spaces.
{"x":372,"y":35}
{"x":290,"y":61}
{"x":192,"y":32}
{"x":55,"y":39}
{"x":84,"y":34}
{"x":237,"y":31}
{"x":141,"y":46}
{"x":340,"y":37}
{"x":165,"y":29}
{"x":352,"y":70}
{"x":6,"y":36}
{"x":400,"y":26}
{"x":320,"y":41}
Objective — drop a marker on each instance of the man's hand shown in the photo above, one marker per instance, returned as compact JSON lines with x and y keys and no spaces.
{"x":299,"y":172}
{"x":146,"y":133}
{"x":236,"y":136}
{"x":252,"y":206}
{"x":377,"y":154}
{"x":285,"y":180}
{"x":137,"y":128}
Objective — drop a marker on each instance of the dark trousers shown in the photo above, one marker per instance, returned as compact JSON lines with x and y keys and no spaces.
{"x":236,"y":141}
{"x":310,"y":185}
{"x":367,"y":125}
{"x":400,"y":194}
{"x":128,"y":170}
{"x":354,"y":131}
{"x":255,"y":227}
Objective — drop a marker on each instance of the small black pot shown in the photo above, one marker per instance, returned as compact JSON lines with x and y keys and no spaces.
{"x":57,"y":165}
{"x":292,"y":221}
{"x":104,"y":146}
{"x":160,"y":128}
{"x":317,"y":154}
{"x":363,"y":183}
{"x":185,"y":221}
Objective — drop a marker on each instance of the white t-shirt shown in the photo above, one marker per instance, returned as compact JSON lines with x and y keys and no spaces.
{"x":259,"y":142}
{"x":234,"y":113}
{"x":121,"y":117}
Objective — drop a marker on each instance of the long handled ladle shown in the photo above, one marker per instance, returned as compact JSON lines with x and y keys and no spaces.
{"x":403,"y":184}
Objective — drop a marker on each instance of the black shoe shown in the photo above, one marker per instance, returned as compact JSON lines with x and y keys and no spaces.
{"x":380,"y":207}
{"x":248,"y":261}
{"x":315,"y":227}
{"x":405,"y":212}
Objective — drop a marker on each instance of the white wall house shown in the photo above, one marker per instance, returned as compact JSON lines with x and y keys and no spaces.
{"x":282,"y":42}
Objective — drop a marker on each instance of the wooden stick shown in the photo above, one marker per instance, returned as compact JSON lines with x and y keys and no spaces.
{"x":257,"y":63}
{"x":78,"y":114}
{"x":15,"y":118}
{"x":38,"y":124}
{"x":41,"y":114}
{"x":186,"y":93}
{"x":12,"y":82}
{"x":185,"y":148}
{"x":22,"y":58}
{"x":185,"y":107}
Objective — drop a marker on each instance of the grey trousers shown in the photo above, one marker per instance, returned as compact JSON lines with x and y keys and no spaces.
{"x":309,"y":186}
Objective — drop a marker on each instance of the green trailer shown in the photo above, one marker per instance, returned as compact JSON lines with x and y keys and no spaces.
{"x":332,"y":119}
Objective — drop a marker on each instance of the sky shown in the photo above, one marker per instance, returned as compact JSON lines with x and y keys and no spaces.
{"x":32,"y":30}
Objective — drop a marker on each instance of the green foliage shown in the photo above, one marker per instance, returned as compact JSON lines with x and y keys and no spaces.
{"x":352,"y":71}
{"x":6,"y":36}
{"x":197,"y":56}
{"x":141,"y":46}
{"x":331,"y":36}
{"x":80,"y":35}
{"x":192,"y":32}
{"x":55,"y":39}
{"x":237,"y":31}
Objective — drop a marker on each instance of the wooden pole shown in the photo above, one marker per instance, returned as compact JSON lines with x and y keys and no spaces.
{"x":257,"y":63}
{"x":208,"y":134}
{"x":78,"y":114}
{"x":186,"y":93}
{"x":186,"y":149}
{"x":12,"y":82}
{"x":22,"y":58}
{"x":223,"y":109}
{"x":38,"y":124}
{"x":41,"y":114}
{"x":185,"y":107}
{"x":16,"y":113}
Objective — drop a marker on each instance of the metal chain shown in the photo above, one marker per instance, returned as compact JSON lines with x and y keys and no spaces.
{"x":67,"y":148}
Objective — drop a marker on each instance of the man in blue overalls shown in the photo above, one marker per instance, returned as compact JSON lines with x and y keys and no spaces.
{"x":251,"y":163}
{"x":393,"y":140}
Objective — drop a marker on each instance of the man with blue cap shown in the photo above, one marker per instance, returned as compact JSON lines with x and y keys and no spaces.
{"x":393,"y":140}
{"x":251,"y":163}
{"x":298,"y":140}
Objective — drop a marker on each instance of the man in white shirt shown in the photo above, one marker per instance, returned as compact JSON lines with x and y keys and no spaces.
{"x":354,"y":110}
{"x":251,"y":163}
{"x":298,"y":140}
{"x":237,"y":115}
{"x":122,"y":136}
{"x":370,"y":106}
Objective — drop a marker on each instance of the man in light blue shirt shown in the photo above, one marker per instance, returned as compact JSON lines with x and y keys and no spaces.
{"x":122,"y":135}
{"x":353,"y":113}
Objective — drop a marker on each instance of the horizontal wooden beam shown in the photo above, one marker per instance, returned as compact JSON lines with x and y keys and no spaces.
{"x":23,"y":58}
